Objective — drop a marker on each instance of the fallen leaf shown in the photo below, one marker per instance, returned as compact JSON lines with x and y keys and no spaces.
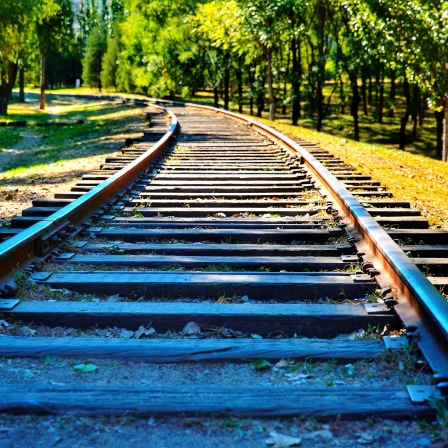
{"x":256,"y":336}
{"x":191,"y":328}
{"x":282,"y":364}
{"x":142,"y":331}
{"x":85,"y":368}
{"x":282,"y":441}
{"x":127,"y":334}
{"x":261,"y":364}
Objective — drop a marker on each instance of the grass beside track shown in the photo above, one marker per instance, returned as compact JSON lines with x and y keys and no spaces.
{"x":420,"y":179}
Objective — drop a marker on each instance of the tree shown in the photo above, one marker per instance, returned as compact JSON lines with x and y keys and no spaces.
{"x":262,"y":24}
{"x":87,"y":16}
{"x":95,"y":51}
{"x":15,"y":34}
{"x":218,"y":23}
{"x":296,"y":15}
{"x":321,"y":16}
{"x":413,"y":36}
{"x":158,"y":55}
{"x":54,"y":33}
{"x":110,"y":60}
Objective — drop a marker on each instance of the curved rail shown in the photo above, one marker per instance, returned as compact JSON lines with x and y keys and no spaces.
{"x":415,"y":290}
{"x":21,"y":247}
{"x":414,"y":287}
{"x":262,"y":318}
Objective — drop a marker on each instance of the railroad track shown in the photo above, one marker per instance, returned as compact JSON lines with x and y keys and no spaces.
{"x":237,"y":245}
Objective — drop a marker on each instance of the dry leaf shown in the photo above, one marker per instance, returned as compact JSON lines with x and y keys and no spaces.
{"x":142,"y":331}
{"x":282,"y":441}
{"x":191,"y":328}
{"x":282,"y":364}
{"x":126,"y":334}
{"x":114,"y":298}
{"x":85,"y":368}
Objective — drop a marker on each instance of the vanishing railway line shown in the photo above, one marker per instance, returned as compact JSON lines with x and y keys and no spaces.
{"x":213,"y":220}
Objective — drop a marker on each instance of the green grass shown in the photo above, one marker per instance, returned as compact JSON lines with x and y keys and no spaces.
{"x":104,"y":122}
{"x":22,"y":169}
{"x":9,"y":137}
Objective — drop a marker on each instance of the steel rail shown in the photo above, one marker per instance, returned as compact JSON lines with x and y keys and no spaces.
{"x":419,"y":296}
{"x":21,"y":247}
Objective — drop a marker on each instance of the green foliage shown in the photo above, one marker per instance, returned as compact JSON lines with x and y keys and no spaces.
{"x":158,"y":57}
{"x":85,"y":368}
{"x":247,"y":51}
{"x":95,"y":50}
{"x":110,"y":60}
{"x":406,"y":33}
{"x":260,"y":365}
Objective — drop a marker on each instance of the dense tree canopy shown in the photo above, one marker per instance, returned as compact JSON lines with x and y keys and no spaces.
{"x":260,"y":54}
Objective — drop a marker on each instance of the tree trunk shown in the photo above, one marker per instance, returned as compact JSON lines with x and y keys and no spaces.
{"x":377,"y":88}
{"x":7,"y":80}
{"x":405,"y":118}
{"x":364,"y":93}
{"x":270,"y":85}
{"x":440,"y":116}
{"x":415,"y":109}
{"x":226,"y":88}
{"x":260,"y":95}
{"x":342,"y":95}
{"x":423,"y":105}
{"x":239,"y":78}
{"x":251,"y":98}
{"x":285,"y":91}
{"x":215,"y":97}
{"x":355,"y":103}
{"x":381,"y":98}
{"x":392,"y":94}
{"x":445,"y":131}
{"x":319,"y":103}
{"x":442,"y":131}
{"x":21,"y":85}
{"x":393,"y":86}
{"x":3,"y":102}
{"x":43,"y":63}
{"x":285,"y":83}
{"x":370,"y":90}
{"x":226,"y":80}
{"x":296,"y":78}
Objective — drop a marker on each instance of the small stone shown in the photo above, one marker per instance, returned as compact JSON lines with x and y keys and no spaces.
{"x":321,"y":434}
{"x":27,"y":331}
{"x":366,"y":439}
{"x":282,"y":440}
{"x":152,"y":421}
{"x":191,"y":328}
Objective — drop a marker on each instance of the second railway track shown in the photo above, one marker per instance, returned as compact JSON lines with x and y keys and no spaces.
{"x":232,"y":242}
